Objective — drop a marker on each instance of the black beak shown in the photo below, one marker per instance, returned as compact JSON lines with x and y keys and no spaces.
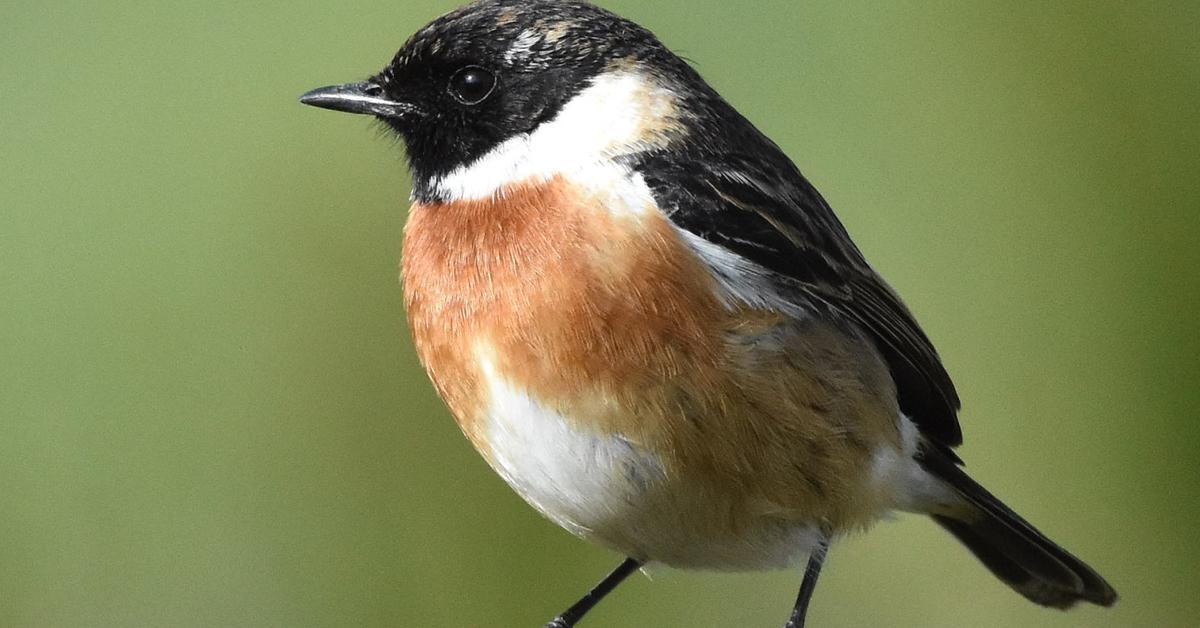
{"x":365,"y":97}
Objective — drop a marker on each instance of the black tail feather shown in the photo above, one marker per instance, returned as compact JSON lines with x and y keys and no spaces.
{"x":1014,"y":550}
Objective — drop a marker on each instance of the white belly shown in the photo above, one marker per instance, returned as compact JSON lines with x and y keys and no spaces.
{"x":607,"y":489}
{"x":581,"y":481}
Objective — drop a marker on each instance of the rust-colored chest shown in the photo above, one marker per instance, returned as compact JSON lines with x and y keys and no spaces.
{"x":579,"y":305}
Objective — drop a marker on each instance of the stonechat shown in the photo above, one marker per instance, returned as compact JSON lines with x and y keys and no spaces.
{"x":651,"y":324}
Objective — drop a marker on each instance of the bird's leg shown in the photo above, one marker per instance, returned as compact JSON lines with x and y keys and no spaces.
{"x":606,"y":586}
{"x":811,"y":573}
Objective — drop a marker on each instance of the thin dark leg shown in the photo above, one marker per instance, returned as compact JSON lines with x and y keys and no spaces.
{"x":811,"y":573}
{"x":606,"y":586}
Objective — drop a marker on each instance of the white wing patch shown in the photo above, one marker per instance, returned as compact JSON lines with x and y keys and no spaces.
{"x":742,"y":281}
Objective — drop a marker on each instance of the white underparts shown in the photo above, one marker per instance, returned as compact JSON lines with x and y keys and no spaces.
{"x":580,"y":480}
{"x":620,"y":113}
{"x":608,"y":489}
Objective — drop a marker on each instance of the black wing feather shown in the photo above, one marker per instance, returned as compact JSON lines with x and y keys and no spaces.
{"x":763,"y":209}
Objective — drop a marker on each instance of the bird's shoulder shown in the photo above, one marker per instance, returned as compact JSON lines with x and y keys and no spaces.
{"x":773,"y":240}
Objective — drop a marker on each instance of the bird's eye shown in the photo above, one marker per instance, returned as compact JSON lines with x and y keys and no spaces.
{"x":472,"y":85}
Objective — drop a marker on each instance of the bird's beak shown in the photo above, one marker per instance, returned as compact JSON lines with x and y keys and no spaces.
{"x":365,"y":97}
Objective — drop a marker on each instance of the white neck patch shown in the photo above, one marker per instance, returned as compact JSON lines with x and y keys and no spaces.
{"x":622,"y":112}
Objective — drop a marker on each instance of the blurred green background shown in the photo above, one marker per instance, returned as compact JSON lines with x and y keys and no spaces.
{"x":210,"y":413}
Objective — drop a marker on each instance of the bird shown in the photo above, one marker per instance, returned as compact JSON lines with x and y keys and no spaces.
{"x":651,"y":325}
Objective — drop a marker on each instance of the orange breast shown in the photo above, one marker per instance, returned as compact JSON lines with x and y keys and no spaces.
{"x":579,"y":303}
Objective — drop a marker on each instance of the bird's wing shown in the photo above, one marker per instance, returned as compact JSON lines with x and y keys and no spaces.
{"x":772,"y":218}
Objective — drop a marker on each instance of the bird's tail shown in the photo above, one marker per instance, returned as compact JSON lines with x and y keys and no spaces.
{"x":1011,"y":548}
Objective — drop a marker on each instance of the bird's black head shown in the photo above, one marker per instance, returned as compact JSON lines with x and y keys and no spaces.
{"x":492,"y":71}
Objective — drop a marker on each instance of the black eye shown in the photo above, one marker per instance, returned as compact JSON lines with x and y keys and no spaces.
{"x":472,"y":85}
